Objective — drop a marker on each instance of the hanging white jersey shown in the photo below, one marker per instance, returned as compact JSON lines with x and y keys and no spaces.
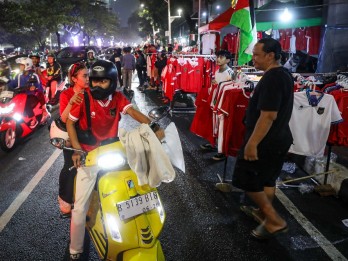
{"x":310,"y":125}
{"x":208,"y":43}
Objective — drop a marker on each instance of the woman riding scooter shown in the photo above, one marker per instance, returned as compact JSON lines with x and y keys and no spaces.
{"x":105,"y":106}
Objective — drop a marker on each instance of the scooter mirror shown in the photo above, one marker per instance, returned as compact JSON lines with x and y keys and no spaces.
{"x":58,"y":143}
{"x":159,"y":112}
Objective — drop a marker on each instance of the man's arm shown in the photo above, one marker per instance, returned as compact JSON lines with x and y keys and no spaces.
{"x":138,"y":116}
{"x":263,"y":125}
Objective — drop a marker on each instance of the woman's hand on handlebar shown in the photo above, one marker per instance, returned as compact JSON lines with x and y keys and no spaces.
{"x":77,"y":158}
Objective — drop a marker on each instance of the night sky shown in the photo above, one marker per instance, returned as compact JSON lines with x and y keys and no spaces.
{"x":124,"y":8}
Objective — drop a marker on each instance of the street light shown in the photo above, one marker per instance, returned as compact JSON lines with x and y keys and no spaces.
{"x":170,"y":20}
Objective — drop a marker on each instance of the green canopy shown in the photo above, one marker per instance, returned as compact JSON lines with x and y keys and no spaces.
{"x":264,"y":26}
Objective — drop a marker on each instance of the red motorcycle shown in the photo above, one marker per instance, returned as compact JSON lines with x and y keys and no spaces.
{"x":47,"y":86}
{"x":16,"y":119}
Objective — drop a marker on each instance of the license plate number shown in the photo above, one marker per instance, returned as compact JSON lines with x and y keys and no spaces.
{"x":138,"y":205}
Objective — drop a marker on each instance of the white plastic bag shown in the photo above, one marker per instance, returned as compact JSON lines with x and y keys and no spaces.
{"x":172,"y":146}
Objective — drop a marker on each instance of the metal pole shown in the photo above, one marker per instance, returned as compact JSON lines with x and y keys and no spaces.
{"x":199,"y":25}
{"x":169,"y":24}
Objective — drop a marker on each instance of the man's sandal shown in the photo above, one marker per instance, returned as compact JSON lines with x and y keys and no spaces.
{"x":262,"y":233}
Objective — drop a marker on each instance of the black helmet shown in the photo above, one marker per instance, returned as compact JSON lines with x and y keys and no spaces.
{"x":103,"y":69}
{"x":34,"y":55}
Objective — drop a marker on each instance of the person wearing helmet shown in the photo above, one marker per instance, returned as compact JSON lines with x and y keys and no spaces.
{"x":78,"y":81}
{"x":54,"y":75}
{"x":106,"y":106}
{"x":91,"y":58}
{"x":26,"y":77}
{"x":35,"y":57}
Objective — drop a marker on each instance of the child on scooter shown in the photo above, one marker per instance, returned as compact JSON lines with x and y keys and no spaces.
{"x":106,"y":107}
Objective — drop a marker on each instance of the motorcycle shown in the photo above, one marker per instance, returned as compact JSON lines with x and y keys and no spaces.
{"x":15,"y":121}
{"x":124,"y":219}
{"x":47,"y":86}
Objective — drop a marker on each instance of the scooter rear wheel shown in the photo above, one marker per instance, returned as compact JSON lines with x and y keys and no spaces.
{"x":8,"y":140}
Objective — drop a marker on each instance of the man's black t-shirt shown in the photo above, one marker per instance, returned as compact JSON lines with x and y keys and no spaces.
{"x":274,"y":92}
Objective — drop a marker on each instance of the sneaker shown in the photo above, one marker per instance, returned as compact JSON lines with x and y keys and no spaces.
{"x":76,"y":257}
{"x":208,"y":146}
{"x":219,"y":157}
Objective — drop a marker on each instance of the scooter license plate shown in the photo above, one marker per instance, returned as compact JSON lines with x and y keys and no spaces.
{"x":138,"y":205}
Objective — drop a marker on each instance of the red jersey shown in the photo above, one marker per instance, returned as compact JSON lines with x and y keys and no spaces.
{"x":64,"y":99}
{"x":105,"y":116}
{"x":313,"y":39}
{"x":301,"y":41}
{"x":234,"y":107}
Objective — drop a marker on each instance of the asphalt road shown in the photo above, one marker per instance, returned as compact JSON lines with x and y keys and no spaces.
{"x":202,"y":223}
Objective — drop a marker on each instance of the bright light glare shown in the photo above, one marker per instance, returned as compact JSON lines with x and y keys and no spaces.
{"x":75,"y":40}
{"x":99,"y":42}
{"x":286,"y":16}
{"x":204,"y":14}
{"x":17,"y":116}
{"x":7,"y":109}
{"x":113,"y":226}
{"x":179,"y":12}
{"x":111,"y":161}
{"x":218,"y":7}
{"x":142,"y":5}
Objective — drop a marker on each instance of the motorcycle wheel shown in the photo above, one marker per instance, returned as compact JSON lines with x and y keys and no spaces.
{"x":8,"y":140}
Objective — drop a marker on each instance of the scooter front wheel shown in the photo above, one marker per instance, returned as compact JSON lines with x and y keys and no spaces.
{"x":8,"y":139}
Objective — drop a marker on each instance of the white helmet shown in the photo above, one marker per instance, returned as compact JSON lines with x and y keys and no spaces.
{"x":91,"y":51}
{"x":27,"y":62}
{"x":58,"y":130}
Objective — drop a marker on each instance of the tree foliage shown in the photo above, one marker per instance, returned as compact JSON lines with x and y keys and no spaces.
{"x":30,"y":23}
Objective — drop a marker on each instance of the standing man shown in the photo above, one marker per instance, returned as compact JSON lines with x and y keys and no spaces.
{"x":267,"y":139}
{"x":128,"y":67}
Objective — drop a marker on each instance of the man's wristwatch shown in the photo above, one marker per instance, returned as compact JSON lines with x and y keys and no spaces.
{"x":154,"y":126}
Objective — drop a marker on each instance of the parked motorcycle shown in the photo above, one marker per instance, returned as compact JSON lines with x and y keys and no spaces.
{"x":124,"y":219}
{"x":15,"y":121}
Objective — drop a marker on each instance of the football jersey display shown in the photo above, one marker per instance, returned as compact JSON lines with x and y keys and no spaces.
{"x":310,"y":124}
{"x":208,"y":43}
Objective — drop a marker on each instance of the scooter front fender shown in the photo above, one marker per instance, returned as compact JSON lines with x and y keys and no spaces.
{"x":11,"y":124}
{"x":154,"y":253}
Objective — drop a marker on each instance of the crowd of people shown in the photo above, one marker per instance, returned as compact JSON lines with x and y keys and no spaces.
{"x":93,"y":84}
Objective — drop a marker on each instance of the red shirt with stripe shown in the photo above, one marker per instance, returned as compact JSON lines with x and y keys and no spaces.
{"x":105,"y":116}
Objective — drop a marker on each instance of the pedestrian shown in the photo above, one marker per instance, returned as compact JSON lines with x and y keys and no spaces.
{"x":140,"y":66}
{"x":106,"y":105}
{"x":160,"y":64}
{"x":128,"y":67}
{"x":225,"y":73}
{"x":267,"y":138}
{"x":78,"y":81}
{"x":116,"y":59}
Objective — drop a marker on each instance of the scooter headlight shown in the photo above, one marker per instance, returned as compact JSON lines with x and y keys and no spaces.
{"x":111,"y":161}
{"x":113,"y":227}
{"x":17,"y":116}
{"x":7,"y":109}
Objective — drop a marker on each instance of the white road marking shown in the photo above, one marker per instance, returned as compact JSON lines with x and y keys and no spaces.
{"x":12,"y":209}
{"x":315,"y":234}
